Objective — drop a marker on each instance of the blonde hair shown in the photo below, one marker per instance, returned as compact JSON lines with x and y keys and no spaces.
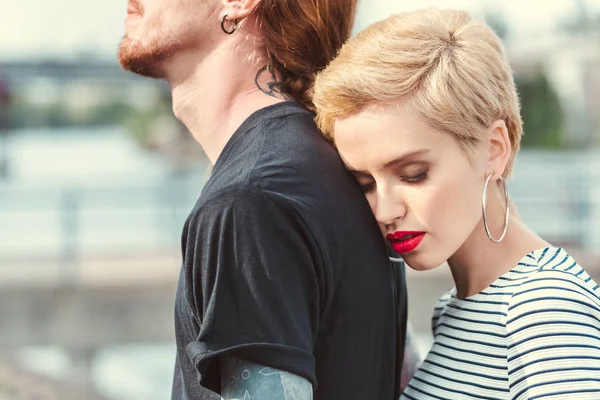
{"x":451,"y":69}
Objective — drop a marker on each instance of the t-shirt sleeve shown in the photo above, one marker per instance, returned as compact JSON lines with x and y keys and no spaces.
{"x":251,"y":266}
{"x":553,"y":332}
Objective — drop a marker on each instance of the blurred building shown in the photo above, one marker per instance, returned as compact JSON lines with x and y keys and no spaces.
{"x":571,"y":61}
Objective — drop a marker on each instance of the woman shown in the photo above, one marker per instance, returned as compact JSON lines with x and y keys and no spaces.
{"x":423,"y":110}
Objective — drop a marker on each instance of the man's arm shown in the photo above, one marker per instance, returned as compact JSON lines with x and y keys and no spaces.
{"x":242,"y":380}
{"x":252,"y":270}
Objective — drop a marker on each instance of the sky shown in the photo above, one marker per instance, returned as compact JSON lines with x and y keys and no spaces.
{"x":67,"y":28}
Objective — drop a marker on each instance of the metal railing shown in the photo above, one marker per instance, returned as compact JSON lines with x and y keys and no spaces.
{"x":65,"y":224}
{"x":562,"y":204}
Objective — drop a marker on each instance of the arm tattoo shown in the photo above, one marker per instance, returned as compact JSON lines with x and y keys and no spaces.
{"x":267,"y":82}
{"x":242,"y":380}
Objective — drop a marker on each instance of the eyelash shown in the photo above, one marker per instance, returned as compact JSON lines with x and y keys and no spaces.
{"x":416,"y":179}
{"x":410,"y":180}
{"x":367,"y":188}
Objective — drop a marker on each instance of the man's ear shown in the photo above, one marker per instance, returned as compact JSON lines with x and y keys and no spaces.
{"x":238,"y":9}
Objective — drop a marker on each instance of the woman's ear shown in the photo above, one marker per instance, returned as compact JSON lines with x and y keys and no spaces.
{"x":499,"y":149}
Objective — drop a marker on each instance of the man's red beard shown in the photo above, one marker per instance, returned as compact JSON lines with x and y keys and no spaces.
{"x":140,"y":56}
{"x":143,"y":58}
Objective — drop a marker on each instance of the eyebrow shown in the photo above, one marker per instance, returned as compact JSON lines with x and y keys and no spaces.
{"x":395,"y":161}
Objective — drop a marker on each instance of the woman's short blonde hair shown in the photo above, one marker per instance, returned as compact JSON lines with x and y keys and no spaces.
{"x":451,"y":69}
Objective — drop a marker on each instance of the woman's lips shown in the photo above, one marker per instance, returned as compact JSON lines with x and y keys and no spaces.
{"x":405,"y":241}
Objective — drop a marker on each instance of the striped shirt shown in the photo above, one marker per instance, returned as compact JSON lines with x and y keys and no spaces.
{"x":532,"y":334}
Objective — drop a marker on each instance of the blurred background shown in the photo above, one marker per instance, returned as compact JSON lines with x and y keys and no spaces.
{"x":97,"y":177}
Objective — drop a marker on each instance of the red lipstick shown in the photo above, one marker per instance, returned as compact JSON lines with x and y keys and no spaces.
{"x":405,"y":241}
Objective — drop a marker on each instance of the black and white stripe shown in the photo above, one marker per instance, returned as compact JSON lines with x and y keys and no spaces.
{"x":533,"y":334}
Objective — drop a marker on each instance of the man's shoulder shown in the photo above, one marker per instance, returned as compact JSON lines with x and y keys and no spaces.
{"x":283,"y":122}
{"x":283,"y":162}
{"x":275,"y":145}
{"x":291,"y":136}
{"x":227,"y":206}
{"x":237,"y":193}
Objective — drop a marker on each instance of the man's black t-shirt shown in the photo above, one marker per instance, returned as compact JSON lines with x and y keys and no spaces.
{"x":284,"y":266}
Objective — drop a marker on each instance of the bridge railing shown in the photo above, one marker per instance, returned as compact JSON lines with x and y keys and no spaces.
{"x":66,"y":224}
{"x":557,"y":197}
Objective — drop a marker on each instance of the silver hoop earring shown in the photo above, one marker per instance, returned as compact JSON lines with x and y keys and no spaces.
{"x":232,"y":28}
{"x":483,"y":208}
{"x":395,"y":259}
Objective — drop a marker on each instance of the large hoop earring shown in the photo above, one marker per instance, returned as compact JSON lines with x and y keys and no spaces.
{"x":483,"y":208}
{"x":232,"y":28}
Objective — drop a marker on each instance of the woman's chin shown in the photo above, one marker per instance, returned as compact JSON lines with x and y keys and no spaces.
{"x":418,"y":263}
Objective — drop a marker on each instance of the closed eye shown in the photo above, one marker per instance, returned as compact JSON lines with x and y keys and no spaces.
{"x":413,"y":180}
{"x":366,"y":188}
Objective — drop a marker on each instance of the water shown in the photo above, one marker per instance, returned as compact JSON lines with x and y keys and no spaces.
{"x":94,"y":189}
{"x":97,"y":190}
{"x":80,"y":156}
{"x":127,"y":372}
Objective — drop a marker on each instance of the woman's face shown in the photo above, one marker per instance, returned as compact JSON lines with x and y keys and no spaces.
{"x":422,"y":188}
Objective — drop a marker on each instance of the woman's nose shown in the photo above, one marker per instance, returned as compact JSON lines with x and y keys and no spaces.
{"x":389,"y":207}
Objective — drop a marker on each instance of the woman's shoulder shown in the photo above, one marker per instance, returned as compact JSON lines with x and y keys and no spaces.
{"x":553,"y":329}
{"x":556,"y":289}
{"x":552,"y":270}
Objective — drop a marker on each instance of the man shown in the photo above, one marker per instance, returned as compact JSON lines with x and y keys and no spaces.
{"x":286,"y":291}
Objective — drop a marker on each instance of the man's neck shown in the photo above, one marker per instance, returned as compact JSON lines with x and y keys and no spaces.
{"x":213,"y":96}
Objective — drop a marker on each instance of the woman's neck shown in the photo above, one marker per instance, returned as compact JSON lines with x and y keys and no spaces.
{"x":479,"y":261}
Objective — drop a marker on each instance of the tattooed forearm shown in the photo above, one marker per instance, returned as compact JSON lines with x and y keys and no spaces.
{"x":242,"y":380}
{"x":267,"y":82}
